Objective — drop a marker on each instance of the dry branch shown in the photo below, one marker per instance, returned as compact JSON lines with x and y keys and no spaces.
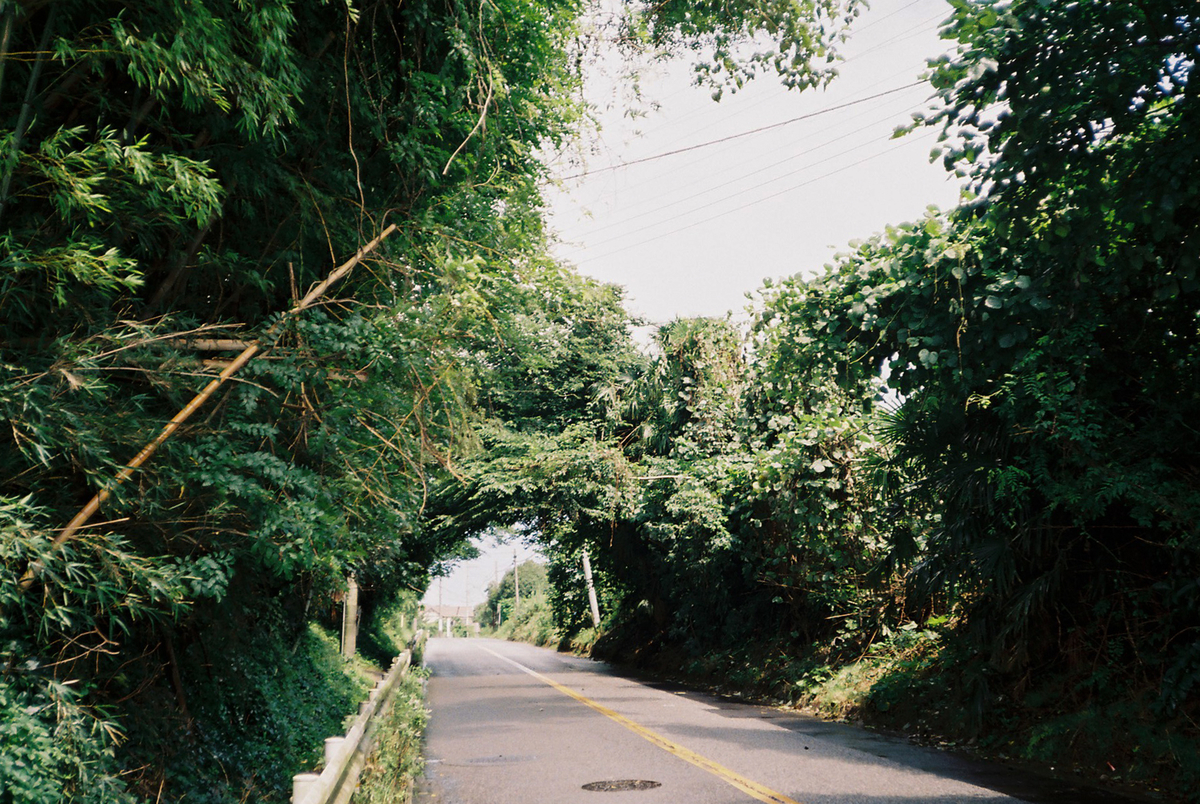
{"x":252,"y":349}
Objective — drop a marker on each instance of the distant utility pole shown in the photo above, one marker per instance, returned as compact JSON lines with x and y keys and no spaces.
{"x":516,"y":582}
{"x":591,"y":587}
{"x":350,"y":618}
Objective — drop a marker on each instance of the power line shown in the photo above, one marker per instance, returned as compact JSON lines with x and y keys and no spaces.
{"x":751,"y":189}
{"x":740,"y":192}
{"x":759,"y":130}
{"x":663,"y":206}
{"x":757,"y":201}
{"x":870,"y":51}
{"x":658,"y":178}
{"x":907,"y":33}
{"x":873,"y":23}
{"x":904,"y":35}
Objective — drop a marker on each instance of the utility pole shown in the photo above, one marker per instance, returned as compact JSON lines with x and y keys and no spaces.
{"x":516,"y":583}
{"x":441,"y":615}
{"x":591,"y":587}
{"x":350,"y":618}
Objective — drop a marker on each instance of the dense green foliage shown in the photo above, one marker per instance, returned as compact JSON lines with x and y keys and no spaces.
{"x":982,"y":422}
{"x":968,"y":447}
{"x":174,"y":176}
{"x":395,"y":760}
{"x":175,"y":171}
{"x":529,"y":619}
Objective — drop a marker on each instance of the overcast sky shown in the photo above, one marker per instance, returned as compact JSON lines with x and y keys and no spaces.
{"x":693,"y":233}
{"x":467,"y":584}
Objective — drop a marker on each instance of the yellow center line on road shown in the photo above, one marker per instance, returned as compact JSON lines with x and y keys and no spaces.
{"x":747,"y":786}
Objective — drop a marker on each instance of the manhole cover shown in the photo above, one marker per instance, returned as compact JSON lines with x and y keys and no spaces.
{"x":621,"y":784}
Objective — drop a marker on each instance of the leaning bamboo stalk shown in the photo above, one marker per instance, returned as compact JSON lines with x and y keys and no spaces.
{"x":210,"y":344}
{"x":93,"y":505}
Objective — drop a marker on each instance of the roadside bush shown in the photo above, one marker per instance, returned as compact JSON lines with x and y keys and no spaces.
{"x":532,"y":622}
{"x":54,"y":749}
{"x":260,"y":717}
{"x":396,"y":760}
{"x":388,"y":628}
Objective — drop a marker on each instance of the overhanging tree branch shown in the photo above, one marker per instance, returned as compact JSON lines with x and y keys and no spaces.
{"x":253,"y":349}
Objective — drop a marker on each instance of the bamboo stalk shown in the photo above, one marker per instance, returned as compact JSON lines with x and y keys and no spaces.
{"x":342,"y":376}
{"x":26,"y":110}
{"x":80,"y":519}
{"x":210,"y":344}
{"x":8,"y":12}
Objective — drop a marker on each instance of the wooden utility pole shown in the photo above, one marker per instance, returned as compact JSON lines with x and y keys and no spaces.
{"x":591,"y":587}
{"x":350,"y":619}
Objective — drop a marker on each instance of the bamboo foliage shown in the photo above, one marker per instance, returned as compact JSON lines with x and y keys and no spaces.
{"x":248,"y":353}
{"x":176,"y":173}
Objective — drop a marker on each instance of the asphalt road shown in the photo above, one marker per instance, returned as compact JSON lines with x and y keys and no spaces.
{"x":514,"y":723}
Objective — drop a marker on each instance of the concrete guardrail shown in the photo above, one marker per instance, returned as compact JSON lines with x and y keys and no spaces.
{"x":346,"y":756}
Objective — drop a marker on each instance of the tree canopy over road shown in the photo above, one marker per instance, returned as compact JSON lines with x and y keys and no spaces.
{"x":969,"y":444}
{"x":967,"y":448}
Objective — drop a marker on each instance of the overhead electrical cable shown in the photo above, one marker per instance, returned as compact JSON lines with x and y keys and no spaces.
{"x":757,"y":201}
{"x":907,"y":33}
{"x":742,"y":192}
{"x":658,"y":178}
{"x":741,"y":176}
{"x":873,"y":23}
{"x":886,"y":43}
{"x":740,"y":135}
{"x":769,"y":99}
{"x":899,"y":37}
{"x":872,"y":141}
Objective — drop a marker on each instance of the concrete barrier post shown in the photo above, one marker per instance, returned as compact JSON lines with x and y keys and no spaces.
{"x":302,"y":785}
{"x":332,"y":745}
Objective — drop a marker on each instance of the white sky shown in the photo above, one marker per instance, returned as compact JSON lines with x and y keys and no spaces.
{"x":692,"y":234}
{"x":467,"y":583}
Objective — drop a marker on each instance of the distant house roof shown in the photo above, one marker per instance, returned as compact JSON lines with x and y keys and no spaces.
{"x":464,"y":613}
